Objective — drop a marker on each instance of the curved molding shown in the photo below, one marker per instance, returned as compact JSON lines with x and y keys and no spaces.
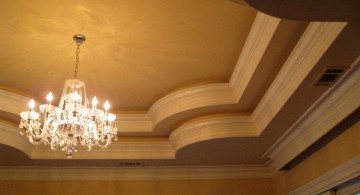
{"x":213,"y":128}
{"x":12,"y":102}
{"x":10,"y":135}
{"x":260,"y":34}
{"x":188,"y":99}
{"x":315,"y":41}
{"x":219,"y":126}
{"x":198,"y":97}
{"x":117,"y":150}
{"x":148,"y":173}
{"x":326,"y":113}
{"x":254,"y":48}
{"x":134,"y":123}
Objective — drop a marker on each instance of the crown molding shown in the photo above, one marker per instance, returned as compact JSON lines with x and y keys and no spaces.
{"x":117,"y":150}
{"x":254,"y":48}
{"x":218,"y":126}
{"x":334,"y":106}
{"x":12,"y":102}
{"x":188,"y":99}
{"x":133,"y":123}
{"x":261,"y":33}
{"x":191,"y":98}
{"x":140,"y":173}
{"x":212,"y":128}
{"x":10,"y":135}
{"x":331,"y":179}
{"x":315,"y":41}
{"x":351,"y":189}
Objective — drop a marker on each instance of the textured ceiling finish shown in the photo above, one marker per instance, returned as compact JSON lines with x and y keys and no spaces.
{"x":194,"y":83}
{"x":135,"y":53}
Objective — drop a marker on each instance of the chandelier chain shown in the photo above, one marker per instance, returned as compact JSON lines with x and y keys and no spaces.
{"x":77,"y":61}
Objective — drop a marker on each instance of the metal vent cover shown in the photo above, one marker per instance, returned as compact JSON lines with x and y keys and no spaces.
{"x":329,"y":76}
{"x":131,"y":164}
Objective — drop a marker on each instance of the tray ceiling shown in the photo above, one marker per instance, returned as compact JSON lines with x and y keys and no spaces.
{"x":202,"y":83}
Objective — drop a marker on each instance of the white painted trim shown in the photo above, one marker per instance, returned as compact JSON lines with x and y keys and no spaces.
{"x":117,"y":150}
{"x":349,"y":190}
{"x":315,"y":41}
{"x":333,"y":178}
{"x":334,"y":106}
{"x":261,"y":33}
{"x":212,"y":128}
{"x":254,"y":48}
{"x":330,"y":192}
{"x":134,"y":123}
{"x":12,"y":102}
{"x":145,"y":173}
{"x":218,"y":126}
{"x":191,"y":98}
{"x":10,"y":135}
{"x":311,"y":46}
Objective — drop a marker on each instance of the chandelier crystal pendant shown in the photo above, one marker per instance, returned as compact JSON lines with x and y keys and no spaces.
{"x":74,"y":122}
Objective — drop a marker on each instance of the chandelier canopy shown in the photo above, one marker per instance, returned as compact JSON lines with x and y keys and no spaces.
{"x":74,"y":122}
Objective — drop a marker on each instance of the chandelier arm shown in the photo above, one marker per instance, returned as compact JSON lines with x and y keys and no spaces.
{"x":103,"y":144}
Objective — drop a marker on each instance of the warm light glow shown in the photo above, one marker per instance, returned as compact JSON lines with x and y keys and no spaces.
{"x":76,"y":96}
{"x":94,"y":101}
{"x":111,"y":117}
{"x":49,"y":97}
{"x":31,"y":104}
{"x":106,"y":105}
{"x":72,"y":124}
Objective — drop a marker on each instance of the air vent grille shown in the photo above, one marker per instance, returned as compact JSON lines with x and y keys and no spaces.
{"x":131,"y":164}
{"x":329,"y":76}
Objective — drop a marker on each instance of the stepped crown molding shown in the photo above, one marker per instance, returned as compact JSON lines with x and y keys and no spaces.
{"x":144,"y":173}
{"x":12,"y":102}
{"x":118,"y":150}
{"x":219,"y":126}
{"x":192,"y":98}
{"x":341,"y":174}
{"x":213,"y":128}
{"x":334,"y":106}
{"x":314,"y":42}
{"x":312,"y":45}
{"x":10,"y":135}
{"x":254,"y":48}
{"x":133,"y":123}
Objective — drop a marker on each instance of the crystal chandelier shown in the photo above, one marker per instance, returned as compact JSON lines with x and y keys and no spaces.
{"x":74,"y":122}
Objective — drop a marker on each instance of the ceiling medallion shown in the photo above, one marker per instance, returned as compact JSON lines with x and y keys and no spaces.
{"x":74,"y":122}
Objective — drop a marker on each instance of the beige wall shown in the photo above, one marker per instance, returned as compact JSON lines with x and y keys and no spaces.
{"x":340,"y":150}
{"x":170,"y":187}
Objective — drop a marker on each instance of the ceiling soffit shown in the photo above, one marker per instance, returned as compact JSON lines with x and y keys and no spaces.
{"x":316,"y":39}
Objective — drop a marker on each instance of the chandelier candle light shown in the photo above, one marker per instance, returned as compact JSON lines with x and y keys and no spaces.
{"x":74,"y":122}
